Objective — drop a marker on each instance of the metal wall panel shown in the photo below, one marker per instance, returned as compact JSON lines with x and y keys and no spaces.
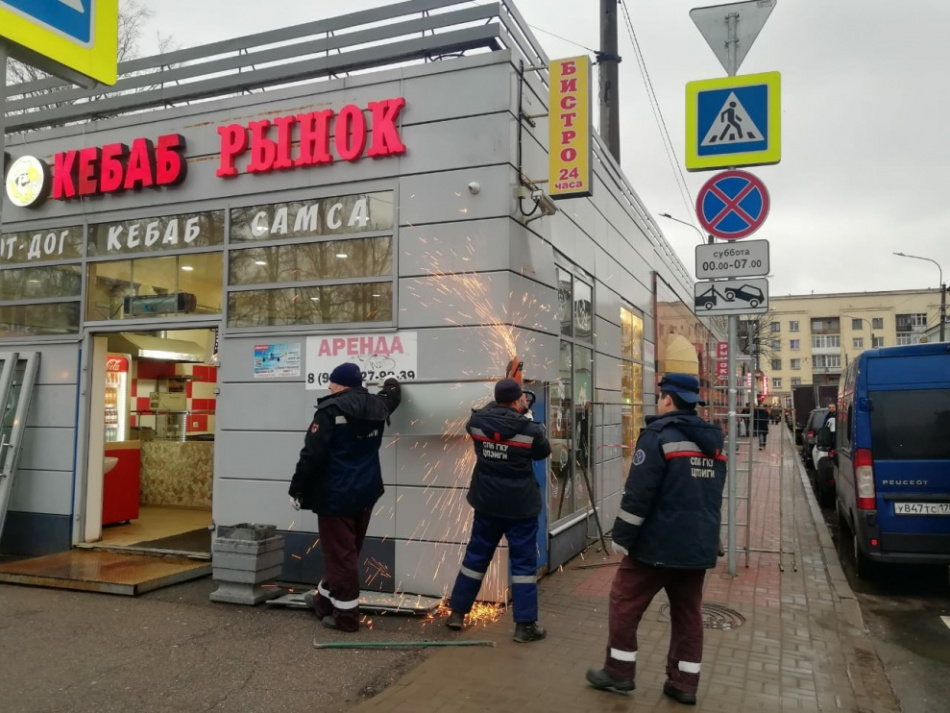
{"x":29,"y":533}
{"x":256,"y":501}
{"x":47,"y":449}
{"x":444,"y":197}
{"x":608,"y":337}
{"x":431,"y":567}
{"x":432,"y":514}
{"x":53,"y":406}
{"x":435,"y":461}
{"x":472,"y":300}
{"x":46,"y":491}
{"x":607,"y":372}
{"x":264,"y":406}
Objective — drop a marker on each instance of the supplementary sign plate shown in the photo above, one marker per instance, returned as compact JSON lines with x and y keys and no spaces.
{"x":750,"y":258}
{"x":732,"y":297}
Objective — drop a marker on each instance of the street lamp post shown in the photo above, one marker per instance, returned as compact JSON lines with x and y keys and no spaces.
{"x":703,"y":238}
{"x":943,"y":293}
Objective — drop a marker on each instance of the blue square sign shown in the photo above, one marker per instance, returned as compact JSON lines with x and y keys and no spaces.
{"x":733,"y":120}
{"x":71,"y":19}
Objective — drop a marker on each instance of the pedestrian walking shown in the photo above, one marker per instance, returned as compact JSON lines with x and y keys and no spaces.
{"x":338,"y":477}
{"x":507,"y":499}
{"x":760,"y":424}
{"x":668,"y":533}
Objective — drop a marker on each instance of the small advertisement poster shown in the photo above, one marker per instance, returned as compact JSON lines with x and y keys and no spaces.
{"x":379,"y":357}
{"x":274,"y":361}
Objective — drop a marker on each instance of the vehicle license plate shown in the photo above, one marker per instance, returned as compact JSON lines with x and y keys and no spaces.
{"x":922,"y":508}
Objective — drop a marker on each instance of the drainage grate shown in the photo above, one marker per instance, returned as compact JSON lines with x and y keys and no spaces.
{"x":715,"y":616}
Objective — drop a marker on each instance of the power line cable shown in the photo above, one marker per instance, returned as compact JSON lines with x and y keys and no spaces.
{"x":658,"y":114}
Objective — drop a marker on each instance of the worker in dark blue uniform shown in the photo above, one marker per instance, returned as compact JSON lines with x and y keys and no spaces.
{"x":338,"y":476}
{"x":507,"y":501}
{"x":668,"y":532}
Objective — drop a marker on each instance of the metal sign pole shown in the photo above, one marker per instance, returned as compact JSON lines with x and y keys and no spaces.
{"x":732,"y":450}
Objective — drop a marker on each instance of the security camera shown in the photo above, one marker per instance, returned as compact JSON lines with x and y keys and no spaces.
{"x":474,"y":187}
{"x":544,"y":202}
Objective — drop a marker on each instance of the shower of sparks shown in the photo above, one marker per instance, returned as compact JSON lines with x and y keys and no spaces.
{"x":482,"y":614}
{"x":378,"y":570}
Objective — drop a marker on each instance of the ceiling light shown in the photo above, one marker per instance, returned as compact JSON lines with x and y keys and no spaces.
{"x":315,"y":299}
{"x":342,"y":255}
{"x":375,"y":295}
{"x":260,"y":262}
{"x":187,"y":268}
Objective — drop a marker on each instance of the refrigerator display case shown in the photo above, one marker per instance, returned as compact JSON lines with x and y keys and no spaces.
{"x":117,"y":397}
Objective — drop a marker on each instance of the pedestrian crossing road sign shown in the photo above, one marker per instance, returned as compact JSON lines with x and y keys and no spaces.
{"x":74,"y":39}
{"x":733,"y":121}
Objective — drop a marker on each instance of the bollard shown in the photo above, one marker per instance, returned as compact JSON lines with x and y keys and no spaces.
{"x":243,"y":558}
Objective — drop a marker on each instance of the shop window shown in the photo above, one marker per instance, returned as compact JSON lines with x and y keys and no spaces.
{"x":37,"y":319}
{"x":631,"y":385}
{"x":327,"y":260}
{"x":150,"y":235}
{"x":336,"y":215}
{"x":41,"y":282}
{"x":561,"y":433}
{"x":31,"y":246}
{"x":565,"y":301}
{"x":583,"y":312}
{"x":156,"y":287}
{"x":326,"y":304}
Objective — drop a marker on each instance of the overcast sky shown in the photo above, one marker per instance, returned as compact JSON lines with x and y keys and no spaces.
{"x":865,"y":137}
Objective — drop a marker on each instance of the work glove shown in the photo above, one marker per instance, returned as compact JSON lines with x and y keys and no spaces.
{"x":618,"y":549}
{"x":294,"y":502}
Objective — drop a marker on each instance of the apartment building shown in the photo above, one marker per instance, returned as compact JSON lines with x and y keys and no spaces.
{"x":810,"y":339}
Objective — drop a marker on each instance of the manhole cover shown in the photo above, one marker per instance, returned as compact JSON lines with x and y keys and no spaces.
{"x":715,"y":616}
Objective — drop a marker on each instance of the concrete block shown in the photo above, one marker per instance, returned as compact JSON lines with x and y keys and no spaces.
{"x":249,"y":594}
{"x":219,"y":574}
{"x":246,"y":531}
{"x":247,"y":562}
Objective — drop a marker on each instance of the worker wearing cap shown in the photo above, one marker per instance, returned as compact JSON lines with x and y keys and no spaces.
{"x":668,"y":533}
{"x":338,"y":476}
{"x":507,"y":500}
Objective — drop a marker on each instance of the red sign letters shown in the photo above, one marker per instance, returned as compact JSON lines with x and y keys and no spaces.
{"x":114,"y":168}
{"x":271,"y":143}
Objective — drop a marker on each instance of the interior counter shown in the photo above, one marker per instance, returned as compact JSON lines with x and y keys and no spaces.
{"x":179,"y":473}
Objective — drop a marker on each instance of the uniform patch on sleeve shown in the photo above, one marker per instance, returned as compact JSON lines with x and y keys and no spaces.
{"x":314,"y":428}
{"x":639,"y":456}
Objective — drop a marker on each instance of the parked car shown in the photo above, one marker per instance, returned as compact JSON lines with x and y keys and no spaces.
{"x":816,"y":419}
{"x":748,"y":293}
{"x":823,"y":457}
{"x":893,"y":456}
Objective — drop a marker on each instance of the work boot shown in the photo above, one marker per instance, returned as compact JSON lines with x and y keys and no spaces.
{"x":456,"y":621}
{"x":599,"y":678}
{"x":687,"y":699}
{"x":330,"y":623}
{"x":526,"y":631}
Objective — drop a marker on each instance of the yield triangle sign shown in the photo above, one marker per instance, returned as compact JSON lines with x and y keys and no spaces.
{"x":740,"y":22}
{"x":733,"y":125}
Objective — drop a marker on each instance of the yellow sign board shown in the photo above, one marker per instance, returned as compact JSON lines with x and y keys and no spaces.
{"x":73,"y":39}
{"x":733,"y":121}
{"x":569,"y":121}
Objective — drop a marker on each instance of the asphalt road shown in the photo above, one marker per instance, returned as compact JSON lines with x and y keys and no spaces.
{"x":903,"y":610}
{"x":174,"y":650}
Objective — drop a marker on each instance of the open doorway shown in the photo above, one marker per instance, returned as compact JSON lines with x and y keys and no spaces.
{"x":150,"y":471}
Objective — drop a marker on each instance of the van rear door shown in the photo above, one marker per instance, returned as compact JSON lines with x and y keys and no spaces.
{"x":910,"y":447}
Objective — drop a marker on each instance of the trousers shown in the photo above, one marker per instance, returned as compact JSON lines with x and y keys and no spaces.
{"x":522,"y":538}
{"x":634,"y":587}
{"x":338,"y":593}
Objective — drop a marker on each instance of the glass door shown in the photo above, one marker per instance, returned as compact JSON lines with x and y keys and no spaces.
{"x":17,"y":376}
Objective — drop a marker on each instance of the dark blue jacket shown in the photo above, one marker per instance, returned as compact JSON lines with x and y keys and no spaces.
{"x":338,"y":471}
{"x":503,"y":482}
{"x":670,"y":512}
